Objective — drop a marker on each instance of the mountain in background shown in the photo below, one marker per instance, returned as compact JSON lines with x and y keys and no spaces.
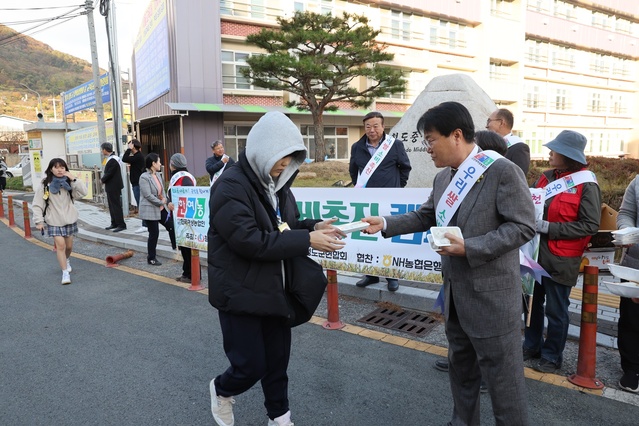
{"x":47,"y":71}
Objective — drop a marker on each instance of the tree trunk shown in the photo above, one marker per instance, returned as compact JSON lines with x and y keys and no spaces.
{"x":318,"y":126}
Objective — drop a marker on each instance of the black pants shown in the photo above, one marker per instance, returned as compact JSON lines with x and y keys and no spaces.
{"x":629,"y":335}
{"x":154,"y":232}
{"x":115,"y":208}
{"x":186,"y":265}
{"x":258,"y":349}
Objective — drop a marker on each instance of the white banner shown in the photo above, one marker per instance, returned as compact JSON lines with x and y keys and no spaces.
{"x":404,"y":256}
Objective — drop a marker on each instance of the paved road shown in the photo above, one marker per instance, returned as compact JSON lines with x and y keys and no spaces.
{"x":116,"y":348}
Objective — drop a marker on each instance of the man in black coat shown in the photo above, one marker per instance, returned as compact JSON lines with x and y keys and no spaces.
{"x":391,"y":172}
{"x":112,"y":180}
{"x":218,"y":162}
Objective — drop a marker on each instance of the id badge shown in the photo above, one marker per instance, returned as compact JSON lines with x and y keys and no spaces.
{"x":283,"y":227}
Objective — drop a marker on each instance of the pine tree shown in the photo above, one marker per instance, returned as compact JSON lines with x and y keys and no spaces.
{"x":323,"y":59}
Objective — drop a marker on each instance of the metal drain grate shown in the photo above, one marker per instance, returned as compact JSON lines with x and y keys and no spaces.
{"x":404,"y":321}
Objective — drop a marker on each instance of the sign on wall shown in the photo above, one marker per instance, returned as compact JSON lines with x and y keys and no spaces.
{"x":151,"y":57}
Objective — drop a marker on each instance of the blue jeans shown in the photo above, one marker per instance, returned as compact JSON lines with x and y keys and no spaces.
{"x":557,"y":298}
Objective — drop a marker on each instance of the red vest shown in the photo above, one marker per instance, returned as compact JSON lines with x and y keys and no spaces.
{"x":564,"y":207}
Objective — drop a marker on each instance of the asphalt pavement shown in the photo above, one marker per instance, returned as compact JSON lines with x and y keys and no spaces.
{"x":131,"y":346}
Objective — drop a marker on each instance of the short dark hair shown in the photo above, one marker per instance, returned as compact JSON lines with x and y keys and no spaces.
{"x":373,"y":114}
{"x":216,"y":143}
{"x":150,"y":158}
{"x":507,"y":116}
{"x":447,"y":117}
{"x":108,"y":147}
{"x":571,"y":165}
{"x":489,"y":140}
{"x":136,"y":144}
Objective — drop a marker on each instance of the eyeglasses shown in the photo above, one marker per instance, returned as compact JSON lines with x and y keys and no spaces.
{"x":428,"y":143}
{"x":493,"y":119}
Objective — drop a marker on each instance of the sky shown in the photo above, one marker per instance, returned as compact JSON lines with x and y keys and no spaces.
{"x":72,"y":36}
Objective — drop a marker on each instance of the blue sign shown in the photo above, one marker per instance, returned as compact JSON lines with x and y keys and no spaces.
{"x":83,"y":96}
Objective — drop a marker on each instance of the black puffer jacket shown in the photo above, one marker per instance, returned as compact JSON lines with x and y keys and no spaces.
{"x":245,"y":247}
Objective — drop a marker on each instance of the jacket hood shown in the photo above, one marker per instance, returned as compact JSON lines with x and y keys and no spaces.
{"x":272,"y":138}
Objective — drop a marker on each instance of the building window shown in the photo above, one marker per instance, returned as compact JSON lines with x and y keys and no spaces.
{"x":323,"y":7}
{"x":539,"y":5}
{"x":499,"y":71}
{"x":400,"y":25}
{"x":448,"y":34}
{"x":232,"y":64}
{"x":247,"y":8}
{"x":598,"y":63}
{"x":537,"y":52}
{"x":562,"y":57}
{"x":533,"y":98}
{"x":621,"y":67}
{"x":501,"y":8}
{"x":561,"y":103}
{"x":564,"y":10}
{"x":335,"y":141}
{"x":235,"y":139}
{"x":595,"y":103}
{"x":618,"y":104}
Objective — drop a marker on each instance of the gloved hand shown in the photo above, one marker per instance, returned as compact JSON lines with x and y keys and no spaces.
{"x":542,"y":226}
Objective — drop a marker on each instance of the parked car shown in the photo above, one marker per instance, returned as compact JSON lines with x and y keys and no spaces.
{"x":15,"y":171}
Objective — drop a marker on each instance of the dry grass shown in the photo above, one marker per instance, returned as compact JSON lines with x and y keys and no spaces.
{"x":323,"y":174}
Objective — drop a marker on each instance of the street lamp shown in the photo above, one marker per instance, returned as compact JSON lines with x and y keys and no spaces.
{"x":39,"y":98}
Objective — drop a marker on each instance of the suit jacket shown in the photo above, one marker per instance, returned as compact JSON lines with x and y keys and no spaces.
{"x":496,"y":218}
{"x":112,"y":176}
{"x":150,"y":201}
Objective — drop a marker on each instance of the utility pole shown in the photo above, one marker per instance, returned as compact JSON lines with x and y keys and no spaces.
{"x":116,"y":96}
{"x":99,"y":108}
{"x":55,"y":112}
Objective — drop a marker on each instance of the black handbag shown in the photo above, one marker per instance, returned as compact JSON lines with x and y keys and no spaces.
{"x":304,"y":288}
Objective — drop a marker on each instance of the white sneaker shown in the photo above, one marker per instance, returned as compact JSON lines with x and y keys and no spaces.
{"x":221,"y":407}
{"x":141,"y":230}
{"x":66,"y":278}
{"x":283,"y":420}
{"x":69,"y":268}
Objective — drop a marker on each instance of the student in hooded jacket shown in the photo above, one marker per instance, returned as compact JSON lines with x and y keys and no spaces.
{"x":54,"y":208}
{"x":254,"y":227}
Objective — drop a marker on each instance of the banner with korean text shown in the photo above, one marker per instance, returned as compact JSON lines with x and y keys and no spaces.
{"x":191,"y":216}
{"x":404,"y":256}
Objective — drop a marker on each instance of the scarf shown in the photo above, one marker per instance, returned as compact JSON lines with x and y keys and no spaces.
{"x":57,"y":183}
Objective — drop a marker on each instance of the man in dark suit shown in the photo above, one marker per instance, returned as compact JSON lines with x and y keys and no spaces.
{"x":501,"y":121}
{"x":480,"y":272}
{"x":391,"y":172}
{"x":113,"y":184}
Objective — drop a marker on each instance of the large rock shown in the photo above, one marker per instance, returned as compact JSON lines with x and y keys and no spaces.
{"x":454,"y":87}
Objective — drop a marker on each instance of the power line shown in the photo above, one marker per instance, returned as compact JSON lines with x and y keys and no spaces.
{"x":38,"y":8}
{"x":28,"y":32}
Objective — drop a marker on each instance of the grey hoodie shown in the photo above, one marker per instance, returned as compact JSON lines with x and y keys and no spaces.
{"x":272,"y":138}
